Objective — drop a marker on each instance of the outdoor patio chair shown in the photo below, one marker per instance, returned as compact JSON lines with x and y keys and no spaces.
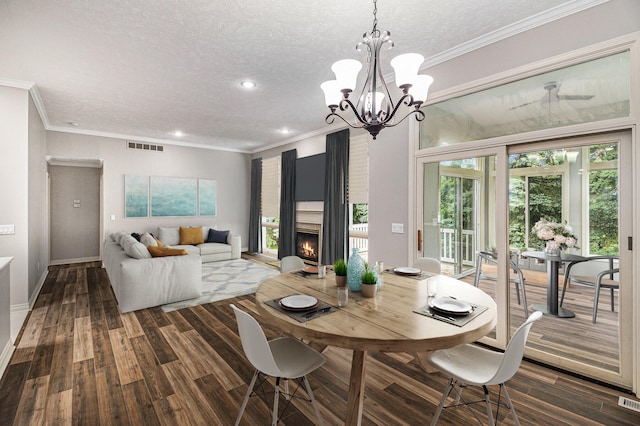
{"x":518,"y":280}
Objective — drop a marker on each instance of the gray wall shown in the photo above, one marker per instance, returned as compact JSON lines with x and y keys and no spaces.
{"x":229,"y":169}
{"x":14,"y":178}
{"x":38,"y":230}
{"x":75,"y":231}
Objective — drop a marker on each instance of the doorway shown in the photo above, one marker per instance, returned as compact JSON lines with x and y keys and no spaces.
{"x":74,"y":211}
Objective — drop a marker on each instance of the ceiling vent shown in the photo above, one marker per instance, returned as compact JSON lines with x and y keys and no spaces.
{"x":145,"y":146}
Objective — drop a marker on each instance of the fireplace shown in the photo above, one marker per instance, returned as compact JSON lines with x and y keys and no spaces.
{"x":308,"y":245}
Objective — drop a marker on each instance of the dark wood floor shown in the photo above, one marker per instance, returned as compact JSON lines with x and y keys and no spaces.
{"x":79,"y":361}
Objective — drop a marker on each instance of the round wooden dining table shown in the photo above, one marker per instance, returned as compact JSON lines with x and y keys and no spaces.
{"x":385,"y":323}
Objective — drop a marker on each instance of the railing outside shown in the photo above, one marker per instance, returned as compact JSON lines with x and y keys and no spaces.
{"x":359,"y":237}
{"x":448,"y":246}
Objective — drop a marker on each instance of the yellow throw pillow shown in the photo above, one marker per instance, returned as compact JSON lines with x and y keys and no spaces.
{"x":165,"y":251}
{"x":191,"y":235}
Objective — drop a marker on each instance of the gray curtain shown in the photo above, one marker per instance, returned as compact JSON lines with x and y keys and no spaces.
{"x":255,"y":203}
{"x":336,"y":208}
{"x":287,"y":234}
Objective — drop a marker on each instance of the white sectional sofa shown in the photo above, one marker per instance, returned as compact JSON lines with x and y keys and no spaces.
{"x":141,"y":281}
{"x":209,"y":252}
{"x":146,"y":282}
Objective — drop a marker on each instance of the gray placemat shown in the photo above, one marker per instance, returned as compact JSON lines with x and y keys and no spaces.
{"x":422,"y":276}
{"x":303,"y":316}
{"x":451,"y":319}
{"x":304,"y":274}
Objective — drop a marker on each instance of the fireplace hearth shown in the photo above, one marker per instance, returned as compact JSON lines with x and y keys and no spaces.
{"x":308,"y":245}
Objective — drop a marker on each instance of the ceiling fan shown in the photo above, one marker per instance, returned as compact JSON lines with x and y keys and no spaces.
{"x":552,"y":88}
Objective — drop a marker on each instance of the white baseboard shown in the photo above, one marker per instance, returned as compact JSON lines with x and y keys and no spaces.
{"x":18,"y":315}
{"x":5,"y":356}
{"x":34,"y":295}
{"x":78,"y":260}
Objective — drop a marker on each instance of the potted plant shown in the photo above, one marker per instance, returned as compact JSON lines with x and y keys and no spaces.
{"x":340,"y":268}
{"x":369,"y":283}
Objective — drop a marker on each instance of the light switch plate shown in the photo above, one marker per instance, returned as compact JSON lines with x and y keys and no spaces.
{"x":397,"y":228}
{"x":7,"y":229}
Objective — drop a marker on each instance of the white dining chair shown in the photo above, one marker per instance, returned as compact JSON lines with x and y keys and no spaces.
{"x":283,"y":358}
{"x":291,"y":263}
{"x":428,"y":264}
{"x":472,"y":365}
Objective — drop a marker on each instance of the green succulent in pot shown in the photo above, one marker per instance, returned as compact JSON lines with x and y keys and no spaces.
{"x":369,"y":277}
{"x":369,"y":283}
{"x":340,"y":268}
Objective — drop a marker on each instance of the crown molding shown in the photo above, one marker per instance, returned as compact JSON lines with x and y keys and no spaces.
{"x":18,"y":84}
{"x":133,"y":138}
{"x":511,"y":30}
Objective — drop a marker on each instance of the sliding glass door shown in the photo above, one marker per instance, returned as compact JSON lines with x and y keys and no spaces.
{"x":488,"y":201}
{"x":458,"y":215}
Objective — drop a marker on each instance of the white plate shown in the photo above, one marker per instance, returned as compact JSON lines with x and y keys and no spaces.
{"x":405,"y":270}
{"x":298,"y":302}
{"x":451,"y":306}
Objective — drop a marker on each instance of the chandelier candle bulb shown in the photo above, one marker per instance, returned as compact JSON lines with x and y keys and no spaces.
{"x":406,"y":68}
{"x":346,"y":71}
{"x":332,"y":95}
{"x":420,"y":88}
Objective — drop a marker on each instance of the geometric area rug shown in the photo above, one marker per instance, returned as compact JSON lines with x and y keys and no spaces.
{"x":226,"y":279}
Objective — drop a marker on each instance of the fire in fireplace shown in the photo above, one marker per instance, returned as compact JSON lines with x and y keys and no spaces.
{"x":307,"y":245}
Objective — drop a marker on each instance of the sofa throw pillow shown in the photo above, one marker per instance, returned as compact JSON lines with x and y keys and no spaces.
{"x":191,"y":235}
{"x":165,"y":251}
{"x":148,"y":240}
{"x":137,"y":250}
{"x":216,"y":236}
{"x":169,"y":235}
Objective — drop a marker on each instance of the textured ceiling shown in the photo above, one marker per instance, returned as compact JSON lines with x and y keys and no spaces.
{"x":141,"y":69}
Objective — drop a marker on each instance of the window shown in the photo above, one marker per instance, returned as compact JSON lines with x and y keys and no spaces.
{"x":603,"y":198}
{"x":270,"y":204}
{"x":536,"y":192}
{"x":583,"y":93}
{"x":358,"y":192}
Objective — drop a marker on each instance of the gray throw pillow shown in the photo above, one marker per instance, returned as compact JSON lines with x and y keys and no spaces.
{"x":217,"y":236}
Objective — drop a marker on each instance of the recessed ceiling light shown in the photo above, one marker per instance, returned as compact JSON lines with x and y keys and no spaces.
{"x":285,"y":130}
{"x":248,"y":84}
{"x":178,"y":133}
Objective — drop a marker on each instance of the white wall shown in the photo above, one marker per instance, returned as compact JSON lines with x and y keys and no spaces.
{"x":14,"y":189}
{"x":38,"y":234}
{"x":230,"y":170}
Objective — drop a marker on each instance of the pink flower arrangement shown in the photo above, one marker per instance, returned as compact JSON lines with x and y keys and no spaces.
{"x":556,"y":235}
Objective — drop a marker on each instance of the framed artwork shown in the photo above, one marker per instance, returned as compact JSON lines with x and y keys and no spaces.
{"x":136,"y":196}
{"x":207,"y":197}
{"x":174,"y":196}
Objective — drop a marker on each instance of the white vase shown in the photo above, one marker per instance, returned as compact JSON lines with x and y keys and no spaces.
{"x":551,"y":251}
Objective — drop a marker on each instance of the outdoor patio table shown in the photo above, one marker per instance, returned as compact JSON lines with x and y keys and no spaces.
{"x":553,"y":266}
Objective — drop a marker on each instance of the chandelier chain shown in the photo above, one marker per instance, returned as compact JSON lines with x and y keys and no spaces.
{"x":375,"y":16}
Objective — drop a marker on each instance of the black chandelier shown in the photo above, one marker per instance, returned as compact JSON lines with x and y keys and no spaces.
{"x":372,"y":111}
